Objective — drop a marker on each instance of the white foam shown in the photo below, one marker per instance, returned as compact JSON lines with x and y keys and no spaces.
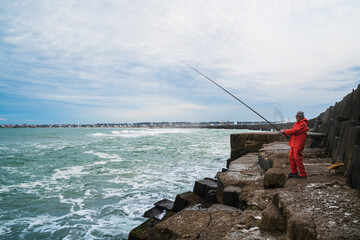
{"x":128,"y":212}
{"x":105,"y":155}
{"x":98,"y":135}
{"x":68,"y":172}
{"x":4,"y":189}
{"x":4,"y":230}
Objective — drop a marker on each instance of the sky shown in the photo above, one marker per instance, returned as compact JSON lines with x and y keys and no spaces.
{"x":107,"y":61}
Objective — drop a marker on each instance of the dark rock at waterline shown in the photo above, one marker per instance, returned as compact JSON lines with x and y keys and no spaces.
{"x":145,"y":231}
{"x":154,"y":212}
{"x":165,"y":204}
{"x":189,"y":199}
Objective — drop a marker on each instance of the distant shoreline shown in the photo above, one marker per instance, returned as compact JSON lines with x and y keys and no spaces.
{"x":213,"y":125}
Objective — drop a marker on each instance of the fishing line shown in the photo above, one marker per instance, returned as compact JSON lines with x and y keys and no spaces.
{"x":230,"y":94}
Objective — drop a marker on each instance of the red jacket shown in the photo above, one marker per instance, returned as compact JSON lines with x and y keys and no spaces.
{"x":298,"y":134}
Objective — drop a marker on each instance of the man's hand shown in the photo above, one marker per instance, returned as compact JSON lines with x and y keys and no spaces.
{"x":282,"y":131}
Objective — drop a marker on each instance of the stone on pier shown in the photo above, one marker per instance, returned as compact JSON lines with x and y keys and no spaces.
{"x":275,"y":178}
{"x":189,"y":199}
{"x":202,"y":187}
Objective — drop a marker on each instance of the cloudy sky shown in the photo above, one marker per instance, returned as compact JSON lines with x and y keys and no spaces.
{"x":71,"y":61}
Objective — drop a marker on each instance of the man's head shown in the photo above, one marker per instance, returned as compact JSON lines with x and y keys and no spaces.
{"x":299,"y":116}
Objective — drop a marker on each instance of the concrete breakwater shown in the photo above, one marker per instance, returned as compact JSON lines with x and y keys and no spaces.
{"x":253,"y":198}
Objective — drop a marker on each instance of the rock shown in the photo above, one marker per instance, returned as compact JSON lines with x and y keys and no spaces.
{"x":187,"y":199}
{"x":301,"y":226}
{"x":211,"y":196}
{"x":231,"y":196}
{"x":243,"y":143}
{"x":325,"y":204}
{"x":250,"y":218}
{"x":255,"y":197}
{"x":202,"y":187}
{"x":239,"y":232}
{"x":145,"y":231}
{"x":353,"y":139}
{"x":211,"y":223}
{"x":355,"y":168}
{"x":316,"y":140}
{"x":275,"y":178}
{"x":345,"y":143}
{"x":165,"y":204}
{"x":351,"y":109}
{"x":254,"y":146}
{"x":155,"y":212}
{"x":235,"y":179}
{"x":236,"y":153}
{"x":272,"y":219}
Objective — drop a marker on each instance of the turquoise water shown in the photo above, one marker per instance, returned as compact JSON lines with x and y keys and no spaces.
{"x":97,"y":183}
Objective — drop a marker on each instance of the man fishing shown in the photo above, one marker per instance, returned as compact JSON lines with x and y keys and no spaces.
{"x":297,"y":142}
{"x":297,"y":139}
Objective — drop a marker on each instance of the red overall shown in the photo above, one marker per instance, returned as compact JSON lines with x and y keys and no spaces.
{"x":297,"y":143}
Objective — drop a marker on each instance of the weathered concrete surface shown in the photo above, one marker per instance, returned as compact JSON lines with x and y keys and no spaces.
{"x":241,"y":172}
{"x":330,"y":209}
{"x":319,"y":207}
{"x":211,"y":223}
{"x":276,"y":155}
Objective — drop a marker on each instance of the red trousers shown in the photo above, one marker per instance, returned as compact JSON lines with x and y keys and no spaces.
{"x":296,"y":162}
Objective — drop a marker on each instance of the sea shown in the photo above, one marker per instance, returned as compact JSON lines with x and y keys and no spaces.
{"x":96,"y":183}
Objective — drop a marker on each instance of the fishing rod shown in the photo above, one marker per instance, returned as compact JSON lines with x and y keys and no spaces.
{"x":230,"y":94}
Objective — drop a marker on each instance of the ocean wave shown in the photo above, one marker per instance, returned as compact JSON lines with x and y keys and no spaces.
{"x":139,"y":133}
{"x":68,"y":172}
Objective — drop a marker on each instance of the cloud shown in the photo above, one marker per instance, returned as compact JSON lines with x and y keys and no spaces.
{"x":3,"y":119}
{"x":98,"y":53}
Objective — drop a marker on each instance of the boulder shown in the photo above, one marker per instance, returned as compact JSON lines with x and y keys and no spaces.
{"x":275,"y":178}
{"x":254,"y":146}
{"x":345,"y":142}
{"x":165,"y":204}
{"x":188,"y":199}
{"x":272,"y":219}
{"x":355,"y":168}
{"x":231,"y":196}
{"x":211,"y":223}
{"x":351,"y":109}
{"x":202,"y":187}
{"x":353,"y":139}
{"x":145,"y":231}
{"x":155,"y":212}
{"x":301,"y":226}
{"x":211,"y":196}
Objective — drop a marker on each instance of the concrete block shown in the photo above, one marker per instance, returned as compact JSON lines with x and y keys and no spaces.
{"x":275,"y":178}
{"x":202,"y":187}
